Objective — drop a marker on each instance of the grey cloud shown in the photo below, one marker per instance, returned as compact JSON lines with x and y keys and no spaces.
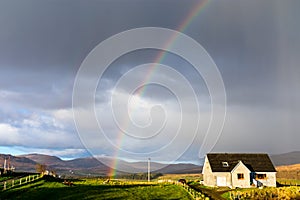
{"x":255,"y":44}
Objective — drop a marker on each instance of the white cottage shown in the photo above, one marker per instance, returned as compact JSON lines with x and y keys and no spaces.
{"x":237,"y":170}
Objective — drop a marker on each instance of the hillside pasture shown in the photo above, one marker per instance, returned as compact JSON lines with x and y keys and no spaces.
{"x":288,"y":172}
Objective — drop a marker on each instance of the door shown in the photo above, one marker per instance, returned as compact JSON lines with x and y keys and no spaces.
{"x":221,"y":181}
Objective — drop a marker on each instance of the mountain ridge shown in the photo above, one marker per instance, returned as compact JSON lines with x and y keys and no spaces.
{"x":91,"y":165}
{"x":289,"y":158}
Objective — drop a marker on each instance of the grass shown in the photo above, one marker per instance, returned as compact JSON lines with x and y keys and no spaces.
{"x":287,"y":192}
{"x":4,"y":178}
{"x":188,"y":177}
{"x":284,"y":181}
{"x":212,"y":192}
{"x":292,"y":192}
{"x":95,"y":189}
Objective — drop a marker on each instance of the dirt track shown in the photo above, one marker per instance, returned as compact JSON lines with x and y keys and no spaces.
{"x":214,"y":195}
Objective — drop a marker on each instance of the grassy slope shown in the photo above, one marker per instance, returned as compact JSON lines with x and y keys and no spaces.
{"x":4,"y":178}
{"x":288,"y":172}
{"x":92,"y":190}
{"x":288,"y":167}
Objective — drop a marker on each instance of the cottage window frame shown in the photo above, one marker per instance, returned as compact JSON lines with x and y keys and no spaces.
{"x":261,"y":176}
{"x":240,"y":176}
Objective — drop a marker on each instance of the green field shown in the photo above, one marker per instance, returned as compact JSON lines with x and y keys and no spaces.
{"x":292,"y":182}
{"x":97,"y":188}
{"x":5,"y":178}
{"x":94,"y":189}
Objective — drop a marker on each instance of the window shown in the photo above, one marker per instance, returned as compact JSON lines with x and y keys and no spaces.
{"x":240,"y":176}
{"x":225,"y":164}
{"x":261,"y":176}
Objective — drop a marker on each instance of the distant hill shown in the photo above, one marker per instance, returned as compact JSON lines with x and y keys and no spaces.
{"x":286,"y":158}
{"x":88,"y":162}
{"x":22,"y":163}
{"x":92,"y":166}
{"x":181,"y":168}
{"x":78,"y":166}
{"x":44,"y":159}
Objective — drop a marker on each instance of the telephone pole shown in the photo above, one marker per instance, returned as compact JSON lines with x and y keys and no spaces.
{"x":4,"y":165}
{"x":148,"y":169}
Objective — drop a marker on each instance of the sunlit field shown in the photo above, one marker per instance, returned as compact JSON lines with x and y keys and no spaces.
{"x":290,"y":192}
{"x":101,"y":188}
{"x":288,"y":182}
{"x":188,"y":177}
{"x":95,"y":189}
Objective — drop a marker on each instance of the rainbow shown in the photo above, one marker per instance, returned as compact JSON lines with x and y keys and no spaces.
{"x":194,"y":13}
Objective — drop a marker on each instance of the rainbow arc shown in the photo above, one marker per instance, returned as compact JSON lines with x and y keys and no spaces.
{"x":192,"y":15}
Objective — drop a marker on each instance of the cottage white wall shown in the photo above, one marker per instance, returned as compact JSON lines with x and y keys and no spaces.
{"x":270,"y":180}
{"x":208,"y":178}
{"x":241,"y":183}
{"x":227,"y":175}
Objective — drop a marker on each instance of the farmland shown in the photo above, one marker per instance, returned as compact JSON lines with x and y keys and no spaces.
{"x":166,"y":186}
{"x":94,"y":189}
{"x":100,"y":188}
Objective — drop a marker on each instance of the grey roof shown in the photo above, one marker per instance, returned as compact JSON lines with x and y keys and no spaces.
{"x":253,"y":161}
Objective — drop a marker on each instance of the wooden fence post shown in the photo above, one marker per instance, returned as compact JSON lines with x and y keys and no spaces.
{"x":4,"y":187}
{"x":12,"y":183}
{"x":20,"y":181}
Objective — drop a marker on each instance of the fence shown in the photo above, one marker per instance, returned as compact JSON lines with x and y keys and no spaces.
{"x":8,"y":184}
{"x":195,"y":194}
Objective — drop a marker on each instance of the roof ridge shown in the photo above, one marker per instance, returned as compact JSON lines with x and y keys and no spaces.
{"x":253,"y":161}
{"x":238,"y":153}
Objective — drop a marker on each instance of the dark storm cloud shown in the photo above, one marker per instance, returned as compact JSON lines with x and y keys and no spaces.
{"x":252,"y":43}
{"x":42,"y":44}
{"x":60,"y":34}
{"x":255,"y":45}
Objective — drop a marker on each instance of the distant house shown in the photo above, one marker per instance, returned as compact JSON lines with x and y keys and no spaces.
{"x":238,"y":170}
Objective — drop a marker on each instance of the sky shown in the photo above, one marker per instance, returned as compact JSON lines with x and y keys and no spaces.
{"x":254,"y":44}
